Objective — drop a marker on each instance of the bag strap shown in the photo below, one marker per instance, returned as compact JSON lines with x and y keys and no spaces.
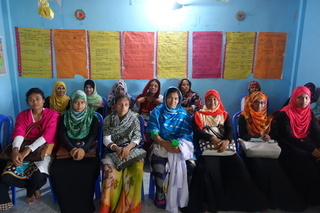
{"x":213,"y":132}
{"x":34,"y":125}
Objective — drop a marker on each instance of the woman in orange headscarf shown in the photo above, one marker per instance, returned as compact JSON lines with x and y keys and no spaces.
{"x":254,"y":122}
{"x":298,"y":134}
{"x":220,"y":182}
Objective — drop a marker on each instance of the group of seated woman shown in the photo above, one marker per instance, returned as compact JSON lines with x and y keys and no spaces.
{"x":188,"y":176}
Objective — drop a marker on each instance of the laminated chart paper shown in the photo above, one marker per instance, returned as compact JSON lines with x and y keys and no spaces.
{"x":172,"y":54}
{"x":207,"y":54}
{"x":270,"y":55}
{"x":34,"y":52}
{"x":104,"y":54}
{"x":71,"y":53}
{"x":2,"y":66}
{"x":138,"y":55}
{"x":239,"y":54}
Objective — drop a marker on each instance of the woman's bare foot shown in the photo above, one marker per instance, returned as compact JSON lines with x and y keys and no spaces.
{"x":30,"y":200}
{"x":37,"y":194}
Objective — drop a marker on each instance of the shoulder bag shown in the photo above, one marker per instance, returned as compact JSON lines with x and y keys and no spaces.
{"x":207,"y":148}
{"x":36,"y":155}
{"x":135,"y":155}
{"x":63,"y":153}
{"x":260,"y":149}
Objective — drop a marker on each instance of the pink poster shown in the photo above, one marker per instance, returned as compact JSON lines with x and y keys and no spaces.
{"x":206,"y":59}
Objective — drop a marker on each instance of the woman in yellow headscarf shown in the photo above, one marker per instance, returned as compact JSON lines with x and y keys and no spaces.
{"x":58,"y":101}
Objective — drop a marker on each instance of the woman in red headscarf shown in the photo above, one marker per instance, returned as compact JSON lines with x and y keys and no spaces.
{"x":254,"y":122}
{"x":220,"y":182}
{"x":298,"y":135}
{"x":149,"y":99}
{"x":253,"y":86}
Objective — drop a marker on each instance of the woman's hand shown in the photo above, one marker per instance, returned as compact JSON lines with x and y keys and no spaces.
{"x":79,"y":154}
{"x":125,"y":151}
{"x":265,"y":137}
{"x":16,"y":157}
{"x":25,"y":152}
{"x":316,"y":153}
{"x":215,"y":141}
{"x":223,"y":145}
{"x":170,"y":148}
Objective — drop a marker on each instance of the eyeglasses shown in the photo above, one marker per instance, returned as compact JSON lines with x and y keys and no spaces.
{"x":259,"y":102}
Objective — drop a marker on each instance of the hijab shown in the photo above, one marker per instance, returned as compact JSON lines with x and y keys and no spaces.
{"x":57,"y":102}
{"x":299,"y":118}
{"x":94,"y":100}
{"x":254,"y":84}
{"x":202,"y":114}
{"x":257,"y":123}
{"x":113,"y":93}
{"x":78,"y":123}
{"x":146,"y":88}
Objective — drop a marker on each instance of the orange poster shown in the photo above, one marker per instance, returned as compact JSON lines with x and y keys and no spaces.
{"x":270,"y":55}
{"x":71,"y":53}
{"x":138,"y":59}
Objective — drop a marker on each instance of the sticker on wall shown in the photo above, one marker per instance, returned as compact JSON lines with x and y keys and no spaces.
{"x":80,"y":14}
{"x":241,"y":15}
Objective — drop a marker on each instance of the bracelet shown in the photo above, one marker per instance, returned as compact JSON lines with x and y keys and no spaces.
{"x":112,"y":146}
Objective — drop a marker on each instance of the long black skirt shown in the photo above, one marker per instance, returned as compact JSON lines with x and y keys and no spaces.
{"x":74,"y":182}
{"x":222,"y":183}
{"x":304,"y":174}
{"x":272,"y":181}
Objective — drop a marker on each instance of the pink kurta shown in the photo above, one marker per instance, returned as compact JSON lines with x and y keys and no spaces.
{"x":48,"y":122}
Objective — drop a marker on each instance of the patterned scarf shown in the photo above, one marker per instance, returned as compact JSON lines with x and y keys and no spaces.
{"x":257,"y":122}
{"x":57,"y":102}
{"x":78,"y":123}
{"x":94,"y":100}
{"x":112,"y":95}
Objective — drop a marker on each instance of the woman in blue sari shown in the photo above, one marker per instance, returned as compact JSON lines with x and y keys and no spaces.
{"x":172,"y":151}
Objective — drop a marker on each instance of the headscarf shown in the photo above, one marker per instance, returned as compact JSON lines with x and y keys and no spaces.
{"x":170,"y":123}
{"x":94,"y":100}
{"x":257,"y":123}
{"x":112,"y":95}
{"x":254,"y":83}
{"x":312,"y":87}
{"x":203,"y":115}
{"x":149,"y":105}
{"x":57,"y":102}
{"x":78,"y":123}
{"x":180,"y":83}
{"x":300,"y":118}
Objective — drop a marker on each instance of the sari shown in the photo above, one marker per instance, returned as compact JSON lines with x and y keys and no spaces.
{"x":121,"y":190}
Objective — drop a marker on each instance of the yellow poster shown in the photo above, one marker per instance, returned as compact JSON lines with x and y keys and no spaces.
{"x":239,"y":54}
{"x":105,"y":61}
{"x":172,"y":54}
{"x":34,"y":52}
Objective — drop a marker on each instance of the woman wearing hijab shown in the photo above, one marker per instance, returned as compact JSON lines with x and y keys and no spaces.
{"x":119,"y":88}
{"x":74,"y":178}
{"x":254,"y":122}
{"x":298,"y":135}
{"x":253,"y":86}
{"x":191,"y":100}
{"x":95,"y":101}
{"x":121,"y":191}
{"x":172,"y":153}
{"x":58,"y":101}
{"x":149,"y":99}
{"x":31,"y":175}
{"x":220,"y":182}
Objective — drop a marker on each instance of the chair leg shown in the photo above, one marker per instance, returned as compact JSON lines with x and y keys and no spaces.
{"x":97,"y":190}
{"x":54,"y":197}
{"x":142,"y":192}
{"x":13,"y":191}
{"x":151,"y":187}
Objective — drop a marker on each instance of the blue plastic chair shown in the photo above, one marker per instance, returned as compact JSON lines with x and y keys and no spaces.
{"x":235,"y":129}
{"x":97,"y":190}
{"x":5,"y":140}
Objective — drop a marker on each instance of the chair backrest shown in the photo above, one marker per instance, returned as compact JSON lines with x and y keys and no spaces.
{"x":235,"y":128}
{"x":142,"y":130}
{"x":100,"y":135}
{"x":105,"y":106}
{"x":6,"y":130}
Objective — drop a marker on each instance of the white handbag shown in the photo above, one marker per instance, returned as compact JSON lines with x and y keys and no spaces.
{"x":260,"y":149}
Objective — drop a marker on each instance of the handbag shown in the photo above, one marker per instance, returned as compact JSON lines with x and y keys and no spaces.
{"x":63,"y":153}
{"x":36,"y":155}
{"x":207,"y":148}
{"x":260,"y":149}
{"x":135,"y":155}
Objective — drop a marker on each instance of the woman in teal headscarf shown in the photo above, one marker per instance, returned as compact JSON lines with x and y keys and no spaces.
{"x":74,"y":178}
